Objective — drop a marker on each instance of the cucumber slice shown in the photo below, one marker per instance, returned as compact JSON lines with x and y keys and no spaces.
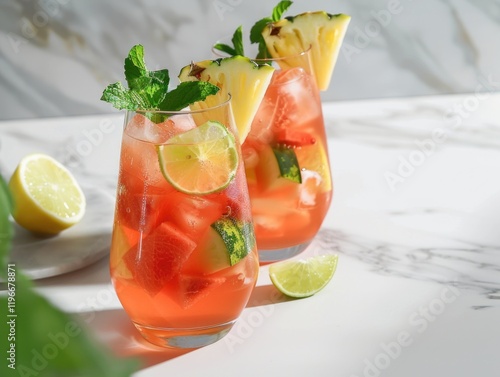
{"x":288,"y":164}
{"x":213,"y":255}
{"x":278,"y":166}
{"x":226,"y":242}
{"x":234,"y":237}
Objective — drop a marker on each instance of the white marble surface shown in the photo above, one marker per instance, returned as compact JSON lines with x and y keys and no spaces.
{"x":56,"y":56}
{"x":417,"y":289}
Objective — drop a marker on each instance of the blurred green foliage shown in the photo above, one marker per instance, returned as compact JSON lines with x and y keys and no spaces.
{"x":36,"y":338}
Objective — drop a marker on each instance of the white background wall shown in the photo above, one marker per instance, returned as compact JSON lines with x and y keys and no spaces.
{"x":56,"y":56}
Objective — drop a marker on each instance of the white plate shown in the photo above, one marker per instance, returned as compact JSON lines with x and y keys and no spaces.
{"x":75,"y":248}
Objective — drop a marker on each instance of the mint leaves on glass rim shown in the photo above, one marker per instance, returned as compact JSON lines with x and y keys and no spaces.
{"x":148,"y":91}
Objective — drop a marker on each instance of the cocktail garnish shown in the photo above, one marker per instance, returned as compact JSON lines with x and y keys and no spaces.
{"x":237,"y":48}
{"x":148,"y":90}
{"x":255,"y":34}
{"x":258,"y":27}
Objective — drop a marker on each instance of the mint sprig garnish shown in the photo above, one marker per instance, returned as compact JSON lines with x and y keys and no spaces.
{"x":183,"y":95}
{"x":148,"y":90}
{"x":236,"y":48}
{"x":258,"y":27}
{"x":255,"y":34}
{"x":280,"y":9}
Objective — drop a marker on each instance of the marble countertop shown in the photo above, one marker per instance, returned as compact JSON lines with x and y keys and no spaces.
{"x":414,"y":221}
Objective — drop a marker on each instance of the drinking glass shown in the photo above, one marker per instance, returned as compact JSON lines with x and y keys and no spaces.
{"x":286,"y":160}
{"x":183,"y":257}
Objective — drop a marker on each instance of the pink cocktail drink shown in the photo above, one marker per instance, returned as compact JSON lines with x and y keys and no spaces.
{"x":183,"y":255}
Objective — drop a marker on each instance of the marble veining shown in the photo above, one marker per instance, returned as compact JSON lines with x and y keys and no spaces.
{"x":420,"y":117}
{"x":464,"y":265}
{"x":57,"y":56}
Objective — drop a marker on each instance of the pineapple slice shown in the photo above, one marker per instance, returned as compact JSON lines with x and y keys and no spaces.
{"x":320,"y":31}
{"x":245,"y":80}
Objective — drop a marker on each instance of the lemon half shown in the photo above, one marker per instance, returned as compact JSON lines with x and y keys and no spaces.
{"x":47,"y":198}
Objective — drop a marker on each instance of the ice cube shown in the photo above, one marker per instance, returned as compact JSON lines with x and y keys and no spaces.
{"x":311,"y":182}
{"x":141,"y":128}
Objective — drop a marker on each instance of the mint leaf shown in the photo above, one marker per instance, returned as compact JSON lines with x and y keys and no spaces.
{"x":256,"y":37}
{"x":256,"y":30}
{"x":182,"y":96}
{"x":152,"y":88}
{"x":238,"y":41}
{"x":225,"y":48}
{"x":160,"y":77}
{"x":280,"y":9}
{"x":135,"y":67}
{"x":146,"y":89}
{"x":258,"y":27}
{"x":119,"y":97}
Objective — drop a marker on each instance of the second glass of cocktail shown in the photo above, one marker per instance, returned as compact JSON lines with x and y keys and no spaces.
{"x":286,"y":161}
{"x":285,"y":152}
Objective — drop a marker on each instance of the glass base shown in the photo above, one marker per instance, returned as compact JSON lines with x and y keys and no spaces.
{"x":276,"y":255}
{"x":189,"y":338}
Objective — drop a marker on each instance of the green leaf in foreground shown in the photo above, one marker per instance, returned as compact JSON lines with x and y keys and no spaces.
{"x":258,"y":27}
{"x":50,"y":343}
{"x":5,"y":226}
{"x":36,"y":338}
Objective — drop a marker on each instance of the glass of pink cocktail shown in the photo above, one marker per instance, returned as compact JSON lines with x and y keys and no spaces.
{"x":183,"y":255}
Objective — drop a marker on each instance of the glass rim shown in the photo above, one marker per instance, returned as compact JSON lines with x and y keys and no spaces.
{"x":185,"y":111}
{"x":281,"y":58}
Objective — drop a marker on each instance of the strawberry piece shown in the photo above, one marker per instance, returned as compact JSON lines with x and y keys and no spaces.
{"x":294,"y":138}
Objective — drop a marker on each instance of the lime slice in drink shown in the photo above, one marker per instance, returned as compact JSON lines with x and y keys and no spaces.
{"x":47,"y":197}
{"x":200,"y":161}
{"x":303,"y":278}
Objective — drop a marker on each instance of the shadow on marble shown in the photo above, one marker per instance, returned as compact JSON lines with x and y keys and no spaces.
{"x":114,"y":329}
{"x":266,"y":295}
{"x":96,"y":273}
